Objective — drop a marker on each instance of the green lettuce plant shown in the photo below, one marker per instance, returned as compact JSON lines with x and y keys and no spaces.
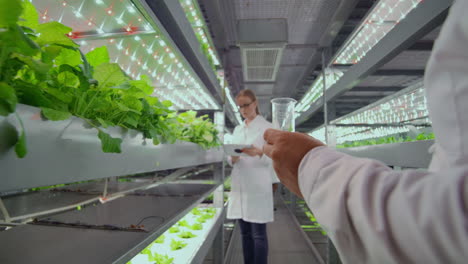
{"x":174,"y":229}
{"x":196,"y":211}
{"x":160,"y":239}
{"x":186,"y":234}
{"x":176,"y":245}
{"x":196,"y":226}
{"x":162,"y":259}
{"x":183,"y":223}
{"x":386,"y":140}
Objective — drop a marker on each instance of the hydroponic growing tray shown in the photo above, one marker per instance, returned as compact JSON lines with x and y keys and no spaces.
{"x":57,"y":244}
{"x":405,"y":154}
{"x":69,"y":151}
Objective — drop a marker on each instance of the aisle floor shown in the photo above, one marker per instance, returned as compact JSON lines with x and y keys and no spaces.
{"x":286,"y":242}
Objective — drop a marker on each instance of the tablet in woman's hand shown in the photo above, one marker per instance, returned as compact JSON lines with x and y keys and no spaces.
{"x":235,"y":149}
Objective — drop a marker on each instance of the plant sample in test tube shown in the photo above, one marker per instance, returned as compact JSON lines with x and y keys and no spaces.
{"x":283,"y":113}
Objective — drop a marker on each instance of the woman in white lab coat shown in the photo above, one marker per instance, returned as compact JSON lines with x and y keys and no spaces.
{"x":374,"y":214}
{"x":251,"y":197}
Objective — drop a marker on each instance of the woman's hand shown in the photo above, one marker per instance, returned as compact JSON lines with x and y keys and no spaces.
{"x":253,"y":151}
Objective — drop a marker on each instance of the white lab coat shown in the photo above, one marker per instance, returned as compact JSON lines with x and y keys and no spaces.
{"x":251,"y":197}
{"x":376,"y":215}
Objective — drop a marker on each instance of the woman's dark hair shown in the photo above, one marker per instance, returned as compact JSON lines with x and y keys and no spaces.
{"x":249,"y":93}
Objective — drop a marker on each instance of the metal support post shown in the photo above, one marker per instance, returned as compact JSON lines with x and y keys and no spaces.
{"x":218,"y":171}
{"x":324,"y":99}
{"x":5,"y":213}
{"x":218,"y":244}
{"x":104,"y":193}
{"x":218,"y":198}
{"x":331,"y":129}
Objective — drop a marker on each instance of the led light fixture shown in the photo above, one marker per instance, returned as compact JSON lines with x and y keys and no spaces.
{"x":316,"y":90}
{"x":381,"y":20}
{"x":131,"y":52}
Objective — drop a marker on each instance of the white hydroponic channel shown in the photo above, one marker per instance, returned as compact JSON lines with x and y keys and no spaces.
{"x":186,"y":254}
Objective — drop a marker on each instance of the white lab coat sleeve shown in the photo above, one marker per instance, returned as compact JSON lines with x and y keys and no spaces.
{"x":446,"y":86}
{"x":258,"y":143}
{"x":376,"y":215}
{"x":236,"y":139}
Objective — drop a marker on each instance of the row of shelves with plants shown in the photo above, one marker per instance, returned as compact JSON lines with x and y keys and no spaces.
{"x":387,"y":140}
{"x":402,"y":147}
{"x":80,"y":109}
{"x":70,"y":151}
{"x":181,"y":242}
{"x":201,"y":31}
{"x":42,"y":67}
{"x":148,"y":214}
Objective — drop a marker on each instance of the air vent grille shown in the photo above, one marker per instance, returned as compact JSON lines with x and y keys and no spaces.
{"x":261,"y":64}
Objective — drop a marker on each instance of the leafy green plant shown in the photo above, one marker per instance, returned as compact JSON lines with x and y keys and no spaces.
{"x":210,"y":210}
{"x":40,"y":66}
{"x":174,"y":229}
{"x":198,"y":130}
{"x":315,"y":226}
{"x":196,"y":211}
{"x":176,"y":245}
{"x":160,"y":239}
{"x":201,"y":219}
{"x":147,"y":252}
{"x":196,"y":226}
{"x":386,"y":140}
{"x":205,"y":45}
{"x":183,"y":223}
{"x":162,"y":259}
{"x":157,"y":258}
{"x":186,"y":234}
{"x":208,"y":216}
{"x":209,"y":198}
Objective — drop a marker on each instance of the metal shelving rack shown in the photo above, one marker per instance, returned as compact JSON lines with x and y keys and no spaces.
{"x":172,"y":16}
{"x":61,"y":152}
{"x":418,"y":23}
{"x":69,"y":151}
{"x":404,"y":155}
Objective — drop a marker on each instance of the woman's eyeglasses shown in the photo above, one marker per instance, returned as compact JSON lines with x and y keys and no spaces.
{"x":245,"y":105}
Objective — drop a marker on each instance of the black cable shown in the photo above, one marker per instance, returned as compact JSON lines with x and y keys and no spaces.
{"x":152,"y":216}
{"x":134,"y":228}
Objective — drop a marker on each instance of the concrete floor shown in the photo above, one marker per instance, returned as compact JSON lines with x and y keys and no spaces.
{"x":286,"y":242}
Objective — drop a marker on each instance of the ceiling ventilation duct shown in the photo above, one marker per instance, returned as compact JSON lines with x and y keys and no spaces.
{"x":262,"y":42}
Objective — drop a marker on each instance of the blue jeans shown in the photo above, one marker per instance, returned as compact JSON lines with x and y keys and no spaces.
{"x":254,"y":242}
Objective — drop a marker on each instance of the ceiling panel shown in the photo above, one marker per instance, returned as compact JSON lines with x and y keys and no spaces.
{"x":300,"y":56}
{"x":261,"y":89}
{"x":287,"y":80}
{"x":409,"y":60}
{"x":306,"y":19}
{"x":235,"y":57}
